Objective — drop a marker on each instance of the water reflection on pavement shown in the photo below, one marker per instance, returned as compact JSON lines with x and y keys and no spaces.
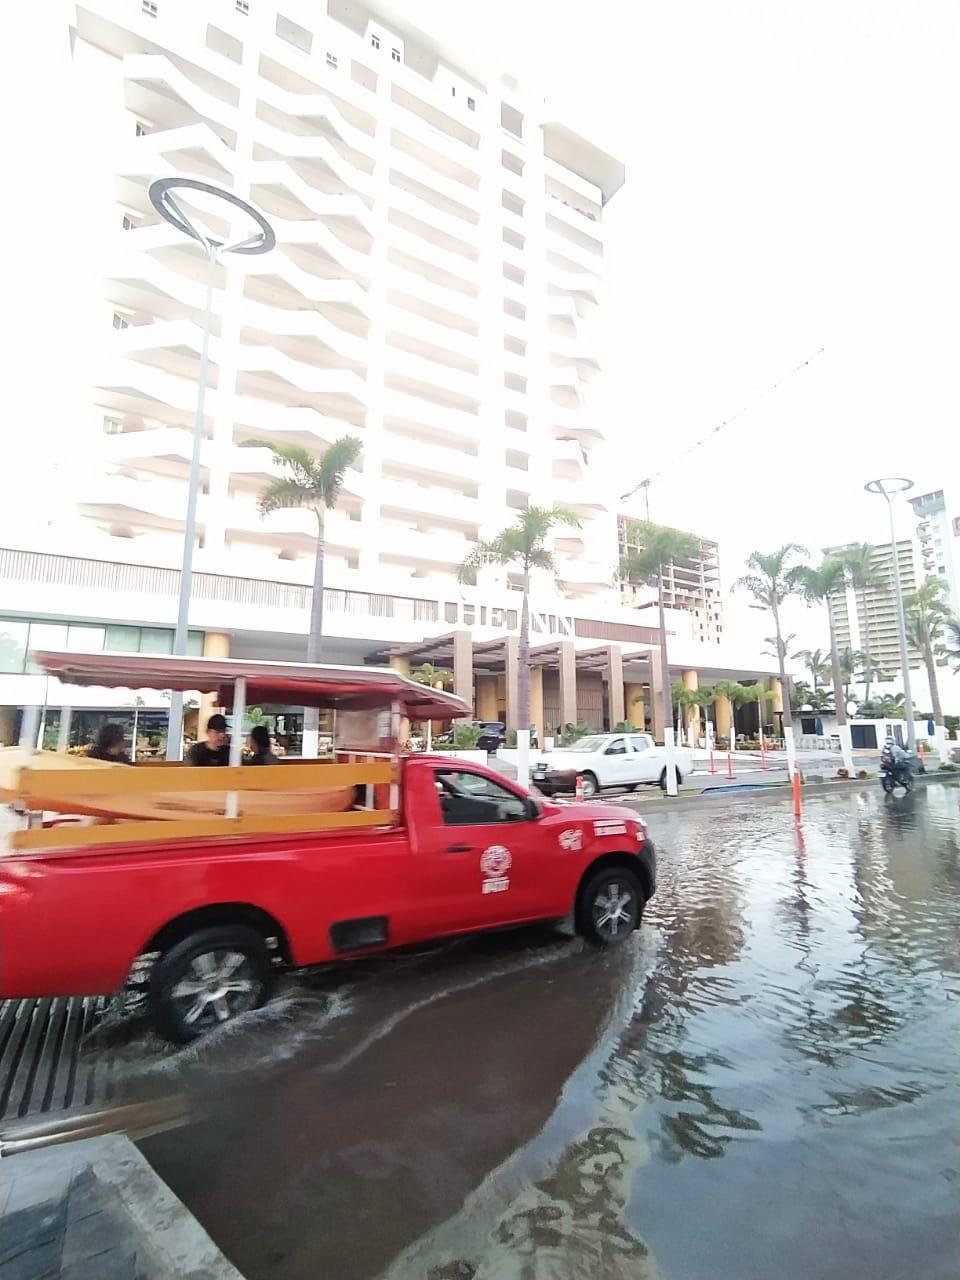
{"x":761,"y":1084}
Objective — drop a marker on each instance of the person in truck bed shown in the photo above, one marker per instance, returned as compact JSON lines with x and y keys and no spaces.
{"x":216,"y":749}
{"x":109,"y":745}
{"x":261,"y":748}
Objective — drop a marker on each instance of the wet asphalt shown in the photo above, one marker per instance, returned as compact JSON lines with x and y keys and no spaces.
{"x":761,"y":1083}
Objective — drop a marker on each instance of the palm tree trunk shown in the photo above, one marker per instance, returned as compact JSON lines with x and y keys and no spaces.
{"x":316,"y":604}
{"x":784,"y":684}
{"x":523,"y":674}
{"x":311,"y":715}
{"x":838,"y":695}
{"x":934,"y":687}
{"x":664,"y":660}
{"x":865,"y":650}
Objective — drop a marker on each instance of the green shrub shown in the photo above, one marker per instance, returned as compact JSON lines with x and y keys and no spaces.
{"x":574,"y":732}
{"x":947,"y":768}
{"x":862,"y":774}
{"x":466,"y":736}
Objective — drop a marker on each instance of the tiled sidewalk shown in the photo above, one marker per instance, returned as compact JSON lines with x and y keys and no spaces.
{"x":95,"y":1210}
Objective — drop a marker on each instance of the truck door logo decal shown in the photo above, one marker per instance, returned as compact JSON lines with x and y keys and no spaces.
{"x":571,"y":839}
{"x":495,"y":862}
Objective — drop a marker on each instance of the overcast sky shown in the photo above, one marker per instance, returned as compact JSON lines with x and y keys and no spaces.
{"x":791,"y":185}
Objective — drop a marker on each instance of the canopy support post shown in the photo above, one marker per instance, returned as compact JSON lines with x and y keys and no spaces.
{"x":236,"y":738}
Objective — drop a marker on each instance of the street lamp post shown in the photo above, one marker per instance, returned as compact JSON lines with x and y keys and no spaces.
{"x":261,"y":241}
{"x":889,"y":487}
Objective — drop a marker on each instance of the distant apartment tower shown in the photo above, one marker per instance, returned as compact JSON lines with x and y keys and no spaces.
{"x":692,"y":586}
{"x":869,"y":618}
{"x":936,"y":536}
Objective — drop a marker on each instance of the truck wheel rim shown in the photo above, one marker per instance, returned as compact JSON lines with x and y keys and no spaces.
{"x":614,"y":909}
{"x":589,"y":787}
{"x":216,"y":986}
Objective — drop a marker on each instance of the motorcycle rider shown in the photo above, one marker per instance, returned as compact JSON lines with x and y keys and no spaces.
{"x":894,"y":759}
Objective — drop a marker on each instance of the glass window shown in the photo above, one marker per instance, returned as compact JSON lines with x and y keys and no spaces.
{"x":46,"y":635}
{"x":469,"y":799}
{"x":195,"y":644}
{"x":375,"y":41}
{"x":618,"y":747}
{"x":395,"y":54}
{"x":122,"y":639}
{"x":641,"y":742}
{"x":156,"y":640}
{"x":13,"y":646}
{"x":84,"y":638}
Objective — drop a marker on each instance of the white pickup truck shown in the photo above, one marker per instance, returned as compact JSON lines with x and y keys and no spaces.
{"x":608,"y":760}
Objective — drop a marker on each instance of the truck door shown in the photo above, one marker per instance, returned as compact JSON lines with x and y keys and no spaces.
{"x":646,"y":765}
{"x":481,"y":856}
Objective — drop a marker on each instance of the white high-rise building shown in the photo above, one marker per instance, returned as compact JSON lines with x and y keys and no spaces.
{"x":433,"y":292}
{"x":936,"y":535}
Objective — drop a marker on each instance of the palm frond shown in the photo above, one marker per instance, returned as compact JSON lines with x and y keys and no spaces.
{"x":285,"y":493}
{"x":334,"y":461}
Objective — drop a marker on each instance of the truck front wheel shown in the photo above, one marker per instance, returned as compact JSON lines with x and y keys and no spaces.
{"x":610,"y":907}
{"x":208,"y":978}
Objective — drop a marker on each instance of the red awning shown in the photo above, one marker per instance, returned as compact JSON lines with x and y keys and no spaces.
{"x":291,"y":683}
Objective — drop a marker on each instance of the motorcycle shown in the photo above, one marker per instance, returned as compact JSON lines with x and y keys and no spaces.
{"x":895,"y":773}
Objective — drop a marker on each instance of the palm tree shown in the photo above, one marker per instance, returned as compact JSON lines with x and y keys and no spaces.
{"x":434,"y":677}
{"x":951,"y":649}
{"x":927,"y":615}
{"x":736,"y":694}
{"x":522,"y":543}
{"x":850,"y":660}
{"x":313,"y":484}
{"x":771,"y":579}
{"x":817,"y":586}
{"x":817,"y":663}
{"x":688,"y":700}
{"x":860,"y":565}
{"x":657,"y":547}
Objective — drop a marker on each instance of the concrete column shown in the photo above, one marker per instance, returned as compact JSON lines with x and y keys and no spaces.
{"x":487,"y":705}
{"x":568,"y":682}
{"x":536,"y":700}
{"x":400,"y":664}
{"x":463,"y":666}
{"x":215,"y":645}
{"x":615,"y":684}
{"x":724,"y":716}
{"x":635,"y":708}
{"x":656,"y":695}
{"x":512,"y":669}
{"x":691,"y":715}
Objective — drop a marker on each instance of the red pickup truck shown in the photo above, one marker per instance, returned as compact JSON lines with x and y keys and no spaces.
{"x":217,"y":917}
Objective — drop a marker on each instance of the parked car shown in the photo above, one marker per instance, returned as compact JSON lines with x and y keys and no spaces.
{"x":609,"y":760}
{"x":493,"y":734}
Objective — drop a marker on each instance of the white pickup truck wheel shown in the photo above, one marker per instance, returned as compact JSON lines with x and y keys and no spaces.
{"x":590,"y":786}
{"x":663,"y":779}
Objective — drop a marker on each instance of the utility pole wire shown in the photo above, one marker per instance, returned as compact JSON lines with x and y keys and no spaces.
{"x":645,"y":484}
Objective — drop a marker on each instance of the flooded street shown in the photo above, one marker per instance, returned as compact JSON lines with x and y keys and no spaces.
{"x":762,"y":1083}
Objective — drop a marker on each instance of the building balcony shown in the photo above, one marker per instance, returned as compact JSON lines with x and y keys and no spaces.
{"x":410,"y":498}
{"x":156,"y":90}
{"x":422,"y":549}
{"x":421,"y":458}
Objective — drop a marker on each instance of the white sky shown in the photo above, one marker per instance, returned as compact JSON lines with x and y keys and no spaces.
{"x":791,"y":184}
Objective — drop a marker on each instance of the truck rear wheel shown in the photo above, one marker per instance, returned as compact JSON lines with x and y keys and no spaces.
{"x":207,"y":979}
{"x":662,"y":780}
{"x":610,"y":906}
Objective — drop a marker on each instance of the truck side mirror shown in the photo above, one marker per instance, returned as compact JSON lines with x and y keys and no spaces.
{"x":534,"y":812}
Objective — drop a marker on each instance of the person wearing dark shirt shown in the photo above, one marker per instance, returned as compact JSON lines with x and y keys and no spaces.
{"x":216,"y":749}
{"x":109,"y":745}
{"x":261,"y":751}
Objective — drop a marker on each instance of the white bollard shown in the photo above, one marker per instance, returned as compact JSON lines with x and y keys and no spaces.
{"x":791,"y":747}
{"x":671,"y":762}
{"x":523,"y":757}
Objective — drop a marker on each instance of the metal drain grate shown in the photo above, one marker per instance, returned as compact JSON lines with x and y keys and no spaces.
{"x":51,"y":1057}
